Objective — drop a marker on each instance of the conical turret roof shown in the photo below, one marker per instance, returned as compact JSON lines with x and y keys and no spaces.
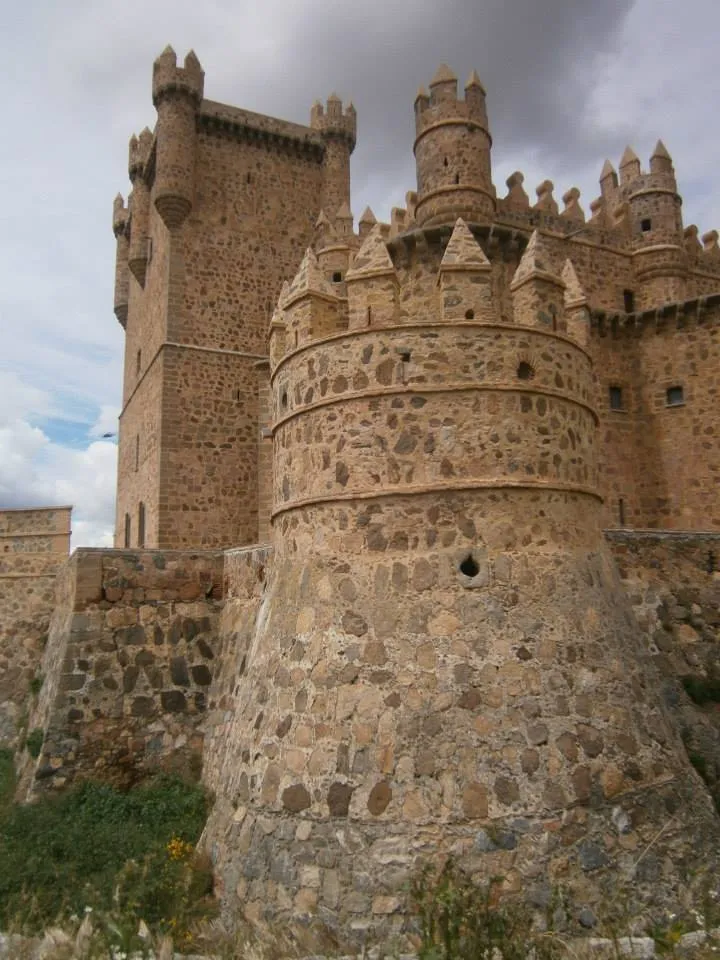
{"x":309,"y":279}
{"x":372,"y":258}
{"x":574,"y":292}
{"x":443,"y":74}
{"x":474,"y":81}
{"x":607,"y":171}
{"x":535,"y":261}
{"x":463,"y":251}
{"x":367,"y":216}
{"x":629,"y":156}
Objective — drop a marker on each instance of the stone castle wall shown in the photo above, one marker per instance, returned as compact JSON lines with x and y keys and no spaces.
{"x":34,"y":543}
{"x":128,"y":667}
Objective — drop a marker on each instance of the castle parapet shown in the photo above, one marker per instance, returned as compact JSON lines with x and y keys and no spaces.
{"x":177,"y":95}
{"x":338,"y":129}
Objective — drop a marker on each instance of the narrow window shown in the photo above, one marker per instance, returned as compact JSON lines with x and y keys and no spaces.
{"x":127,"y":529}
{"x":629,"y":301}
{"x":137,"y":452}
{"x":616,"y":398}
{"x":141,"y":524}
{"x":369,"y":316}
{"x":674,"y":396}
{"x":469,"y":314}
{"x":621,"y":512}
{"x":457,"y":178}
{"x":284,"y":399}
{"x":337,"y":277}
{"x":236,"y":394}
{"x":249,"y":178}
{"x":646,"y":225}
{"x":525,"y":371}
{"x":445,"y":163}
{"x":138,"y":362}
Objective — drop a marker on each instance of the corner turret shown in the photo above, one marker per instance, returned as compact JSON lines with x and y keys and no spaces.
{"x":122,"y":280}
{"x":177,"y":95}
{"x":465,"y":278}
{"x":537,"y":291}
{"x":452,"y":153}
{"x":138,"y":161}
{"x":338,"y":130}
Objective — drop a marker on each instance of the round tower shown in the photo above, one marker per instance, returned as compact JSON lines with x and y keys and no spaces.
{"x":177,"y":95}
{"x":443,"y":661}
{"x":452,"y":153}
{"x":339,"y":133}
{"x":655,"y":209}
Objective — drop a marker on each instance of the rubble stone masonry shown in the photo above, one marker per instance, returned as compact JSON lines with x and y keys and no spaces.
{"x":34,"y":543}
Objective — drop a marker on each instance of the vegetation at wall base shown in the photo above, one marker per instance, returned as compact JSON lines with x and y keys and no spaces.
{"x":129,"y":856}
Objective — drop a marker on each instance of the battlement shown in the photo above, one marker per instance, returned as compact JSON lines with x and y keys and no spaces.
{"x":442,"y":104}
{"x":139,"y":151}
{"x":332,"y":121}
{"x":169,"y":79}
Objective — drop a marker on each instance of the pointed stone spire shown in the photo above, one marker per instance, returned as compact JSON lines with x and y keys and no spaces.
{"x":422,"y":94}
{"x":322,"y":222}
{"x":168,"y":56}
{"x":474,"y":81}
{"x":661,"y":161}
{"x":443,"y":74}
{"x":535,"y":261}
{"x":284,"y":291}
{"x":629,"y":165}
{"x":574,"y":294}
{"x":192,"y":63}
{"x":368,"y":216}
{"x":308,"y":279}
{"x":372,"y":259}
{"x":344,"y":212}
{"x":463,"y":252}
{"x":608,"y":170}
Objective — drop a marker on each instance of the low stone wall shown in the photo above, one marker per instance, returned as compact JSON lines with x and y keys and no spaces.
{"x":34,"y":544}
{"x":129,"y":663}
{"x":673,"y":582}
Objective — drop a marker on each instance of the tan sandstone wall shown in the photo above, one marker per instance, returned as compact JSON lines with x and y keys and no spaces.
{"x":129,"y":663}
{"x":34,"y":543}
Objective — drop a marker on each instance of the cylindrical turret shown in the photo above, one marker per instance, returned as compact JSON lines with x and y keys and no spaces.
{"x":655,"y":211}
{"x":122,"y":284}
{"x":139,"y":155}
{"x":177,"y":94}
{"x":339,"y":133}
{"x":452,"y":153}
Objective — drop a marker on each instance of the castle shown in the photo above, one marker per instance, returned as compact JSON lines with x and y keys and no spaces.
{"x":363,"y":484}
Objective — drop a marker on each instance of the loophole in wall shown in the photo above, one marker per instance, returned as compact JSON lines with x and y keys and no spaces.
{"x":469,"y":566}
{"x":525,"y":371}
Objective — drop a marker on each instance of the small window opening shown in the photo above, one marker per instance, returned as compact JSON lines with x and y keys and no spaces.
{"x":137,"y":453}
{"x":337,"y":277}
{"x":369,"y":316}
{"x":284,"y":399}
{"x":138,"y":361}
{"x":711,"y":562}
{"x":127,"y":529}
{"x":296,"y":338}
{"x":236,"y":394}
{"x":646,"y":225}
{"x":445,"y":162}
{"x":674,"y":396}
{"x":405,"y":356}
{"x":469,"y":314}
{"x":525,"y":371}
{"x":616,"y":398}
{"x":469,"y":566}
{"x":457,"y":178}
{"x":621,"y":512}
{"x":249,"y":178}
{"x":629,"y":301}
{"x":141,"y":524}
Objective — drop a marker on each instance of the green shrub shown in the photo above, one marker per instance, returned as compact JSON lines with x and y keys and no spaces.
{"x":461,"y":920}
{"x":64,"y":853}
{"x":36,"y":684}
{"x":34,"y":742}
{"x":7,"y":779}
{"x":702,"y":690}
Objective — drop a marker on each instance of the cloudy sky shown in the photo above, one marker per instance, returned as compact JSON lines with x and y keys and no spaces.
{"x":569,"y":82}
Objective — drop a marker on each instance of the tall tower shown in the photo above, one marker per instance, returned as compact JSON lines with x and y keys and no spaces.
{"x":338,"y":130}
{"x":223,"y":204}
{"x":452,"y":152}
